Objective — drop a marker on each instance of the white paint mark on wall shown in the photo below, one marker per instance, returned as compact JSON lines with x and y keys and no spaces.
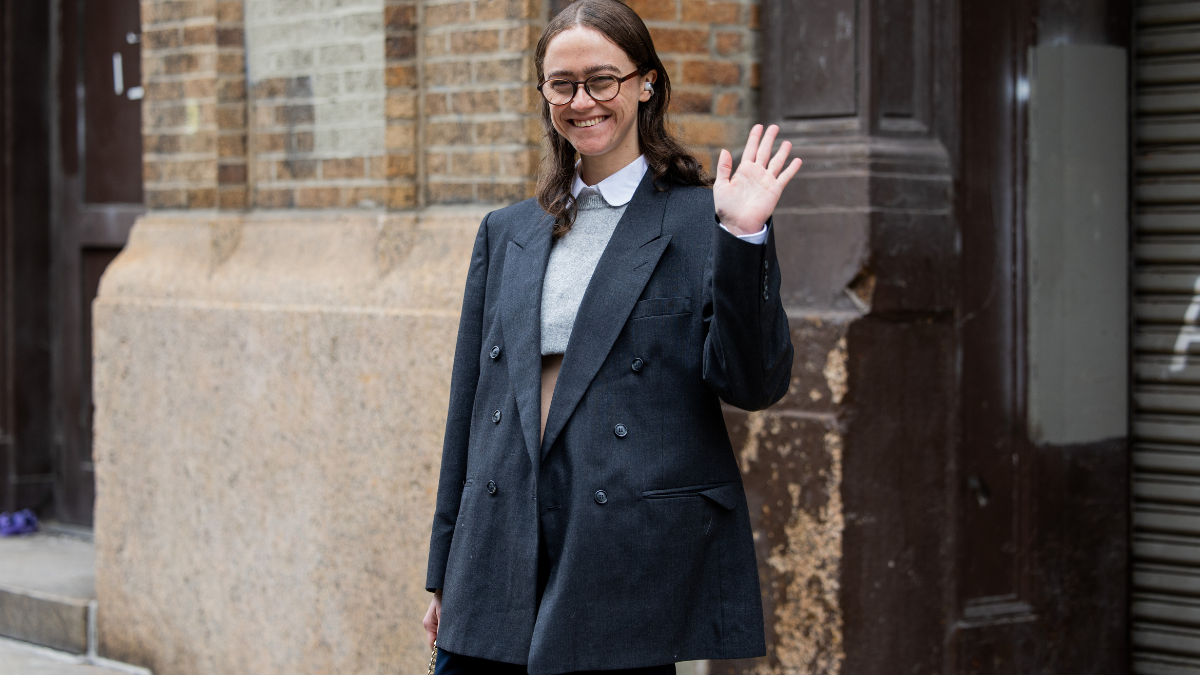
{"x":1190,"y":333}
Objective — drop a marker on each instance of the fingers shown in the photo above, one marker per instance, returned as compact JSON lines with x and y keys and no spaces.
{"x":431,"y":621}
{"x":724,"y":166}
{"x":764,"y":148}
{"x":780,"y":158}
{"x":752,"y":143}
{"x":788,"y":173}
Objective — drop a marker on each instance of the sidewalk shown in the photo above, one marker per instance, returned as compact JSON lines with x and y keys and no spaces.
{"x":18,"y":658}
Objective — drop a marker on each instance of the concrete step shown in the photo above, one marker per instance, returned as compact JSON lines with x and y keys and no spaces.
{"x":17,"y":658}
{"x":47,"y":584}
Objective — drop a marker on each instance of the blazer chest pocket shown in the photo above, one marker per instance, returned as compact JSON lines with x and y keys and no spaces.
{"x":661,"y":307}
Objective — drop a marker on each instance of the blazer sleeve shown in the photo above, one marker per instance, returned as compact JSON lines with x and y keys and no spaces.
{"x":748,"y":350}
{"x":463,"y":381}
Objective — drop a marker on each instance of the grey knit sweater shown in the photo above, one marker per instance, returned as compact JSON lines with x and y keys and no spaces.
{"x":572,"y":262}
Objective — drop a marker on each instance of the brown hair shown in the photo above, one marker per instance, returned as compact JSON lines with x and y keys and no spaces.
{"x":668,"y":161}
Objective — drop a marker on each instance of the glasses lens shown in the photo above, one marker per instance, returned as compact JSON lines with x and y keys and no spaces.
{"x":602,"y":87}
{"x":558,"y":92}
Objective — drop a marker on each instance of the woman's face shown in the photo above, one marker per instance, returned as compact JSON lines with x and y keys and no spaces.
{"x":595,"y":128}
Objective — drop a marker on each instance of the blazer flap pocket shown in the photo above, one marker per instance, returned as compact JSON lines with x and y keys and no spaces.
{"x":661,"y":307}
{"x":727,"y":495}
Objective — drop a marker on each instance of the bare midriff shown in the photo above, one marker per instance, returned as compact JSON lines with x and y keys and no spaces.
{"x":551,"y":364}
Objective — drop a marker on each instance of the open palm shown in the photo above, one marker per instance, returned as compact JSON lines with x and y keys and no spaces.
{"x":745,"y":199}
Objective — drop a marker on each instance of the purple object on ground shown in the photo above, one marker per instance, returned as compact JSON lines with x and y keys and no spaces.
{"x":21,"y":522}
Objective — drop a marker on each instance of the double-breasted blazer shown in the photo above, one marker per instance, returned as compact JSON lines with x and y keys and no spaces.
{"x":634,"y":491}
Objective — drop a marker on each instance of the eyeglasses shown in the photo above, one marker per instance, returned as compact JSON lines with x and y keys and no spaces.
{"x":600,"y":87}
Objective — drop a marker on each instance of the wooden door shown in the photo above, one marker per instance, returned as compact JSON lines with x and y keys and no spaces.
{"x":100,"y":197}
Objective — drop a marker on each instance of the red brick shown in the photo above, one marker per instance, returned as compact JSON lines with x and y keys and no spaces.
{"x":401,"y":165}
{"x":364,"y":197}
{"x":400,"y":76}
{"x":501,"y":70}
{"x":490,"y":10}
{"x":437,"y":163}
{"x":402,"y":106}
{"x":703,"y":131}
{"x":231,"y":63}
{"x":474,"y":163}
{"x":436,"y":104}
{"x":448,"y":133}
{"x":729,"y":43}
{"x":441,"y":15}
{"x":502,"y":193}
{"x":231,"y":173}
{"x":755,"y":22}
{"x":162,"y":39}
{"x":233,"y":145}
{"x":402,"y":196}
{"x":524,"y":38}
{"x":202,"y":198}
{"x":701,"y":11}
{"x":470,"y":102}
{"x":296,"y":169}
{"x":229,"y":11}
{"x":653,"y":10}
{"x":231,"y":37}
{"x":274,"y":198}
{"x":446,"y":74}
{"x":317,"y":197}
{"x":166,"y":199}
{"x":398,"y":47}
{"x":351,"y":167}
{"x":400,"y":17}
{"x":200,"y":35}
{"x":680,"y":40}
{"x":711,"y":72}
{"x":729,"y":105}
{"x":474,"y":41}
{"x":450,"y":193}
{"x":232,"y":198}
{"x":691,"y":102}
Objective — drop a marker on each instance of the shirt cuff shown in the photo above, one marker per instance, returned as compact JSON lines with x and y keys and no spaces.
{"x":759,"y":237}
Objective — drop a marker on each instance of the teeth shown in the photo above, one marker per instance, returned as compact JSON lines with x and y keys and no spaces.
{"x":587,"y":123}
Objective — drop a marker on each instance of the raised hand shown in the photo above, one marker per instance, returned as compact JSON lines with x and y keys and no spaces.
{"x":746,"y":199}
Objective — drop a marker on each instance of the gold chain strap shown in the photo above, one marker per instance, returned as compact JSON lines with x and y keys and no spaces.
{"x":433,"y":658}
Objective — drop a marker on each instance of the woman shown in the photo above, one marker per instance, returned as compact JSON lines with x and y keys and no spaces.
{"x":590,"y":513}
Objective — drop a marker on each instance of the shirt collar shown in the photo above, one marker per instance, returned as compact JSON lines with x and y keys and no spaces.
{"x":618,"y":188}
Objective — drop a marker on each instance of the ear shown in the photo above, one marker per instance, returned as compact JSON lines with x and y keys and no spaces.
{"x":651,"y":77}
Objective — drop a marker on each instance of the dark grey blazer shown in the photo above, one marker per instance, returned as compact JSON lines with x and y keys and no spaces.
{"x":635,"y":487}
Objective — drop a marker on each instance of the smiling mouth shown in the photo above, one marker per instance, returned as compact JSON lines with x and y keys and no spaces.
{"x":588,"y":122}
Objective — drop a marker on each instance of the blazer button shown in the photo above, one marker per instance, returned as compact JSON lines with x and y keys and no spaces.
{"x":496,"y":417}
{"x":495,"y":353}
{"x":637,"y":365}
{"x":491,"y":487}
{"x":620,"y":431}
{"x":601,"y":497}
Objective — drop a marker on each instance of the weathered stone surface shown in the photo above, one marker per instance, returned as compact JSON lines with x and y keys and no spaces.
{"x":270,"y":396}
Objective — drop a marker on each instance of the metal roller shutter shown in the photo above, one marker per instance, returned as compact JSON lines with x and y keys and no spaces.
{"x":1166,"y":456}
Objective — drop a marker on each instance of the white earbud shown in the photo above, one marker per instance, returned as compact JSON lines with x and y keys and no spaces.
{"x":649,"y":87}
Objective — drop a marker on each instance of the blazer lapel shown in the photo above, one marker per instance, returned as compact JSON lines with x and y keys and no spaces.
{"x":521,"y":288}
{"x":624,"y":268}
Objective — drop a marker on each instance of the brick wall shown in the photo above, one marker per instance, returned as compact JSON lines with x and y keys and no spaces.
{"x":403,"y":101}
{"x":394,"y":103}
{"x":711,"y":51}
{"x":481,"y":138}
{"x":316,"y":72}
{"x":179,"y":111}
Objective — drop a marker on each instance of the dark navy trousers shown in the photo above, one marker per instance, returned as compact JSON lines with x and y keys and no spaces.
{"x":455,"y":664}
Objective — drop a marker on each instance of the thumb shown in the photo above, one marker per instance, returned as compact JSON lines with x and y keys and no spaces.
{"x":724,"y":166}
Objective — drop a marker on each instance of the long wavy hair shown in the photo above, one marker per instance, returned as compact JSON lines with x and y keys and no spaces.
{"x":668,"y":161}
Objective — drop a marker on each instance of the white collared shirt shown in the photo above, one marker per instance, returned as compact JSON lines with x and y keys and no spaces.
{"x":618,"y":190}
